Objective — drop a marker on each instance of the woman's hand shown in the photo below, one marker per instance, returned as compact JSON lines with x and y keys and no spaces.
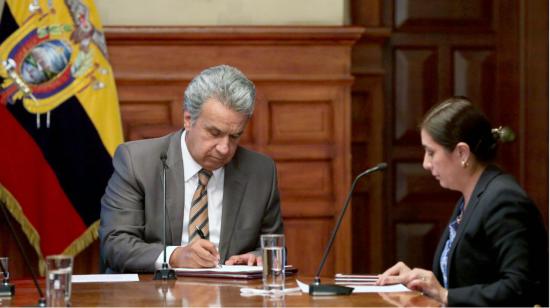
{"x":393,"y":275}
{"x":425,"y":281}
{"x":416,"y":279}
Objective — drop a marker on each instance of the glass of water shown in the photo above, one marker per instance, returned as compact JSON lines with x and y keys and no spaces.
{"x":273,"y":259}
{"x":59,"y":269}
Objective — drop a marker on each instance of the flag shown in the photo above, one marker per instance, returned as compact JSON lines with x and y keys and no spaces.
{"x":59,"y":121}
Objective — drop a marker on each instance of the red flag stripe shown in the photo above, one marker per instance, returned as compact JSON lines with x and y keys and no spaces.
{"x":29,"y":178}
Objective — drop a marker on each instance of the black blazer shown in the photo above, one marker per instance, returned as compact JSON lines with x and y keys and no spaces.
{"x":500,"y":253}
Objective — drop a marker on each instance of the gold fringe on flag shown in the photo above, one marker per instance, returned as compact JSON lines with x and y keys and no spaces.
{"x":76,"y":247}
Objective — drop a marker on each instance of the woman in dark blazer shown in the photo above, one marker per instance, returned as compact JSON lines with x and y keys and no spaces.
{"x":495,"y":248}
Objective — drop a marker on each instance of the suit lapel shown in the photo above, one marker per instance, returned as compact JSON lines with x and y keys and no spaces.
{"x":233,"y":193}
{"x":486,"y":177}
{"x":175,"y":188}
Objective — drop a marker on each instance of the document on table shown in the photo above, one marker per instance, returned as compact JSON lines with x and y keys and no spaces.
{"x":105,"y":278}
{"x":229,"y":271}
{"x":223,"y":269}
{"x":364,"y":289}
{"x":344,"y":279}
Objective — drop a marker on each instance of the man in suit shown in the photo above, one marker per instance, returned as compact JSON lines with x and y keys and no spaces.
{"x":220,"y":196}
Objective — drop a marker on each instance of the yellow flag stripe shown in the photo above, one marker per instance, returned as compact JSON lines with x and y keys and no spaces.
{"x":101,"y":104}
{"x":102,"y":108}
{"x":19,"y":9}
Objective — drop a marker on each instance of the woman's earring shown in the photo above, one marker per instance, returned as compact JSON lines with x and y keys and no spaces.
{"x":464,"y":164}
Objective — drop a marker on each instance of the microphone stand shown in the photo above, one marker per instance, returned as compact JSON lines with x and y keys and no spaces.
{"x":164,"y":273}
{"x":42,"y":299}
{"x":316,"y":288}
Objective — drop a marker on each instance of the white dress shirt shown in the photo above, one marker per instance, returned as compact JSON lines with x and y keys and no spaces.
{"x":215,"y":198}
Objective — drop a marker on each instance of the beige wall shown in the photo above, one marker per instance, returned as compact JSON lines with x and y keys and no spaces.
{"x":223,"y":12}
{"x":1,"y":7}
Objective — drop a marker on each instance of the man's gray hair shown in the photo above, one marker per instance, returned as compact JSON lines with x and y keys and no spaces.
{"x":223,"y":83}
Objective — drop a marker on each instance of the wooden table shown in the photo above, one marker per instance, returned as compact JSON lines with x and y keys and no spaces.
{"x":187,"y":291}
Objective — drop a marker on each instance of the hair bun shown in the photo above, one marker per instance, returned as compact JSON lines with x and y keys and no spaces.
{"x":504,"y":134}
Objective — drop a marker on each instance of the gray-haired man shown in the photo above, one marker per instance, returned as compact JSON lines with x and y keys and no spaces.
{"x":220,"y":196}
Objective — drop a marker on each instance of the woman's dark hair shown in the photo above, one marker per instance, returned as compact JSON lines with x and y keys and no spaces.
{"x":457,"y":120}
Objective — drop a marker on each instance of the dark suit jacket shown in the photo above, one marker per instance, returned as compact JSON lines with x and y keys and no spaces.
{"x":500,"y":254}
{"x":132,"y":207}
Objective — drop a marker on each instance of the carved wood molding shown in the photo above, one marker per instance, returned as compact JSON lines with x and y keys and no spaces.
{"x":302,"y":35}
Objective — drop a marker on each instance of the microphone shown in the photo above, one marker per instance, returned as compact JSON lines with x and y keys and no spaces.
{"x":316,"y":288}
{"x":11,"y":288}
{"x":164,"y":273}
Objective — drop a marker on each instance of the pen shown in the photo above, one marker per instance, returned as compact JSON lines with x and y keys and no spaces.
{"x":202,"y":236}
{"x":199,"y":231}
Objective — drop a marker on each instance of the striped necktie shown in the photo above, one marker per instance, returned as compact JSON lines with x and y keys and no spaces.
{"x":198,"y":216}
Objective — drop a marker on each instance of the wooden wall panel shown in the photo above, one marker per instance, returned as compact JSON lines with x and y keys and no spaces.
{"x":302,"y":248}
{"x":149,"y":110}
{"x":474,"y":76}
{"x":495,"y":51}
{"x":428,"y":67}
{"x":486,"y":50}
{"x":302,"y":117}
{"x":317,"y":182}
{"x":439,"y":49}
{"x":534,"y":93}
{"x":413,"y":184}
{"x":313,"y":151}
{"x":367,"y":205}
{"x":415,"y":242}
{"x":415,"y":87}
{"x":428,"y":15}
{"x":299,"y":122}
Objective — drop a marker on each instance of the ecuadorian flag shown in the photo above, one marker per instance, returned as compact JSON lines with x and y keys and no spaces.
{"x":59,"y":121}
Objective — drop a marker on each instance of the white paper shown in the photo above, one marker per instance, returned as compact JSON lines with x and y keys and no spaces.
{"x":223,"y":269}
{"x":105,"y":278}
{"x":379,"y":289}
{"x":304,"y":287}
{"x":364,"y":289}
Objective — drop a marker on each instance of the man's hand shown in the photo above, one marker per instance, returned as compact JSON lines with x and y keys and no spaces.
{"x":200,"y":253}
{"x":247,"y":258}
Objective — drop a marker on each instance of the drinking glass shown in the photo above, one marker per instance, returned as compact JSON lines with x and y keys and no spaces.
{"x":59,"y":269}
{"x":273,"y":259}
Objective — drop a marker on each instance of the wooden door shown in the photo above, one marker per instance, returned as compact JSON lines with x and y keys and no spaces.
{"x":493,"y":51}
